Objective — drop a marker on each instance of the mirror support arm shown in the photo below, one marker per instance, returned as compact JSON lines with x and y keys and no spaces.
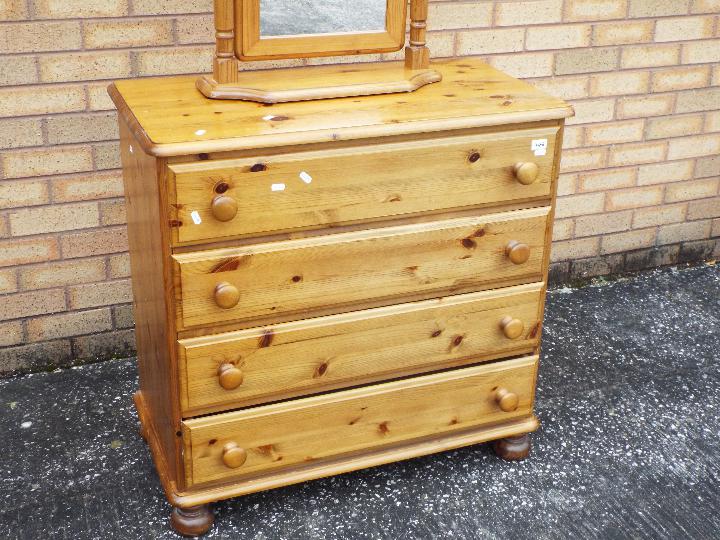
{"x":225,"y":64}
{"x":417,"y":55}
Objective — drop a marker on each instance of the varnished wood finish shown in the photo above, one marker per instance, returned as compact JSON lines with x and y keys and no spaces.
{"x":507,"y":401}
{"x":237,"y":31}
{"x":292,"y":359}
{"x":149,"y":248}
{"x":375,"y":265}
{"x":225,"y":65}
{"x":230,"y":376}
{"x":226,"y":295}
{"x":513,"y":448}
{"x":517,"y":252}
{"x":429,"y":252}
{"x":170,"y":118}
{"x":512,"y":328}
{"x":417,"y":55}
{"x":292,"y":433}
{"x":233,"y":456}
{"x":193,"y":521}
{"x":527,"y":173}
{"x":339,"y":81}
{"x":223,"y":208}
{"x":278,"y":193}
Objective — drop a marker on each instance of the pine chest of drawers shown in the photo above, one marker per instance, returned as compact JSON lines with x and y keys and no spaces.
{"x":329,"y":285}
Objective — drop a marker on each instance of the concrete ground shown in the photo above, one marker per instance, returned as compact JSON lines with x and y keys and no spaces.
{"x":629,"y":395}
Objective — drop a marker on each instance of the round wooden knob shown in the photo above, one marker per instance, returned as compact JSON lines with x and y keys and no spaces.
{"x":233,"y":455}
{"x":517,"y":252}
{"x":527,"y":173}
{"x":506,"y":400}
{"x":512,"y":328}
{"x":227,"y":296}
{"x":224,"y":207}
{"x":230,"y":376}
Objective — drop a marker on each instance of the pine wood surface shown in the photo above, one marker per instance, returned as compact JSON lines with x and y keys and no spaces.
{"x":396,"y":268}
{"x":339,"y":83}
{"x":310,"y":356}
{"x":300,"y":431}
{"x":170,"y":117}
{"x":299,"y":276}
{"x":279,"y":193}
{"x":352,"y":461}
{"x":155,"y":337}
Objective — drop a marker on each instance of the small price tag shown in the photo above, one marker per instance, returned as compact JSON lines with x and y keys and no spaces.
{"x":539,"y":147}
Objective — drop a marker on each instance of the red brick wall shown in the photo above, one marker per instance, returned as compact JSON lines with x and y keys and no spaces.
{"x":640,"y":173}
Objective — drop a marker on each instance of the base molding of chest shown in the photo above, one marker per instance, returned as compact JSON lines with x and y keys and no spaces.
{"x":362,"y":460}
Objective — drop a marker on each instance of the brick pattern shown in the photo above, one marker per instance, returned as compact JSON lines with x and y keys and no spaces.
{"x":640,"y":176}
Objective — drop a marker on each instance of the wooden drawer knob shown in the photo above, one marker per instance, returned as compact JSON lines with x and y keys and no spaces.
{"x":512,"y":328}
{"x":227,"y":296}
{"x":230,"y":376}
{"x":233,"y":455}
{"x":224,"y":208}
{"x":526,"y":173}
{"x":517,"y":252}
{"x":506,"y":400}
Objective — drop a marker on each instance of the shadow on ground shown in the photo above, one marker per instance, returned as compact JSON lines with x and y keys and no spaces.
{"x":628,"y":396}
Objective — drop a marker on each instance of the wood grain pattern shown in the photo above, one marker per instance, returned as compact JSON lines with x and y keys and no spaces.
{"x":250,"y":45}
{"x":149,"y":245}
{"x":225,"y":65}
{"x":341,"y":82}
{"x":297,"y":276}
{"x":291,"y":359}
{"x":417,"y":55}
{"x":301,"y":431}
{"x":171,"y":118}
{"x":327,"y":188}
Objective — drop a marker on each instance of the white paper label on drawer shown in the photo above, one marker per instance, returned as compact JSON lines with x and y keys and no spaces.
{"x":539,"y":146}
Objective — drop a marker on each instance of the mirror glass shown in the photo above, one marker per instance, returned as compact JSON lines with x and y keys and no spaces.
{"x":300,"y":17}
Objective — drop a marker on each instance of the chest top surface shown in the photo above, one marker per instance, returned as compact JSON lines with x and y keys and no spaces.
{"x":170,"y":117}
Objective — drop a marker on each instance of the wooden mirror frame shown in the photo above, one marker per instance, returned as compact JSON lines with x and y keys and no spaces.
{"x":237,"y":35}
{"x":250,"y":45}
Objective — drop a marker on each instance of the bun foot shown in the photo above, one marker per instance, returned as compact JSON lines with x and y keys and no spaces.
{"x":193,"y":521}
{"x":513,"y":448}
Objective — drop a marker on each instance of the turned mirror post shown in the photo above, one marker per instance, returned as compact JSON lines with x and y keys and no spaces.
{"x":417,"y":55}
{"x":225,"y":64}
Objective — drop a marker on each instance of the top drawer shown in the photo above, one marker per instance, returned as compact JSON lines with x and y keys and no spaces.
{"x":264,"y":195}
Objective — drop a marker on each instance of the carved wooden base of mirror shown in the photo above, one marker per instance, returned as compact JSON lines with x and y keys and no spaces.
{"x":319,"y":82}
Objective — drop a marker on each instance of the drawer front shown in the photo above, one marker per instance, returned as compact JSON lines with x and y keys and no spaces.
{"x":293,"y":433}
{"x":336,"y":271}
{"x":252,"y":366}
{"x":308,"y":190}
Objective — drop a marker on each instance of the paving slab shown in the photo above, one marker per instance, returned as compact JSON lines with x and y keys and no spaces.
{"x":628,"y":397}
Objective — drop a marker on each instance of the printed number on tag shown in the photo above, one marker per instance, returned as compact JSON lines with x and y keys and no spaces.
{"x":539,"y":146}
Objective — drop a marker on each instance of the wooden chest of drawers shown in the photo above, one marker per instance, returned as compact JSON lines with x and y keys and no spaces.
{"x":330,"y":285}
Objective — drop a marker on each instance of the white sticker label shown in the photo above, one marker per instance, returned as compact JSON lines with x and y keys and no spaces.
{"x":195,"y":215}
{"x":278,"y":187}
{"x":539,"y":146}
{"x":305,"y":177}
